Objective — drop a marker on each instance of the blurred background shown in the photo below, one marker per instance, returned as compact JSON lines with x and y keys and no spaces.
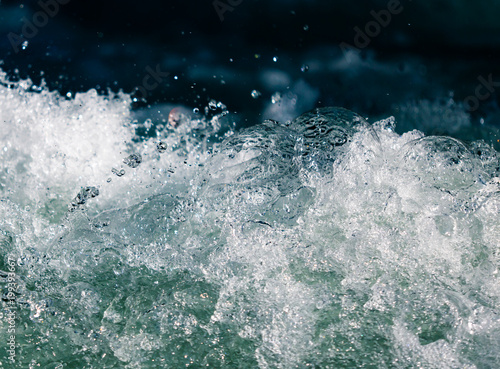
{"x":432,"y":64}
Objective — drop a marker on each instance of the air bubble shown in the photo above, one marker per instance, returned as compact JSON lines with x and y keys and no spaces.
{"x":442,"y":162}
{"x":85,"y":194}
{"x":161,"y":147}
{"x":133,"y":161}
{"x":117,"y":172}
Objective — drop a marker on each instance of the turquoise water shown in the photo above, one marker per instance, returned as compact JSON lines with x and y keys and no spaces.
{"x":324,"y":242}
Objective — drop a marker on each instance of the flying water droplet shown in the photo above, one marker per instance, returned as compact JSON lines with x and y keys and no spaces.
{"x":256,"y":94}
{"x":212,"y":104}
{"x":276,"y":98}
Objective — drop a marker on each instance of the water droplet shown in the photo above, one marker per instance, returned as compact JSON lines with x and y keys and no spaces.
{"x":306,"y":27}
{"x":108,"y":180}
{"x":161,"y":147}
{"x":148,"y":124}
{"x":212,"y":104}
{"x":178,"y":116}
{"x":133,"y":160}
{"x":256,"y":94}
{"x":304,"y":68}
{"x":196,"y":110}
{"x":275,"y":59}
{"x":276,"y":98}
{"x":117,"y":172}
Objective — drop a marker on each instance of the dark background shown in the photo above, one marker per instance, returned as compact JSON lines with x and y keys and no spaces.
{"x":430,"y":49}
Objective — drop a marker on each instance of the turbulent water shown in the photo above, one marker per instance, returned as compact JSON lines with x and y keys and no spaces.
{"x":321,"y":242}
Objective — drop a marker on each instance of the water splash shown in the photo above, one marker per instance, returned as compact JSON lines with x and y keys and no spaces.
{"x":327,"y":242}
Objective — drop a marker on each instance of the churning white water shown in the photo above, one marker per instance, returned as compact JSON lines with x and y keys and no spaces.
{"x":322,"y":242}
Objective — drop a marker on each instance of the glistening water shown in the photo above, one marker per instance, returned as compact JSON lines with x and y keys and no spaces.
{"x":322,"y":242}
